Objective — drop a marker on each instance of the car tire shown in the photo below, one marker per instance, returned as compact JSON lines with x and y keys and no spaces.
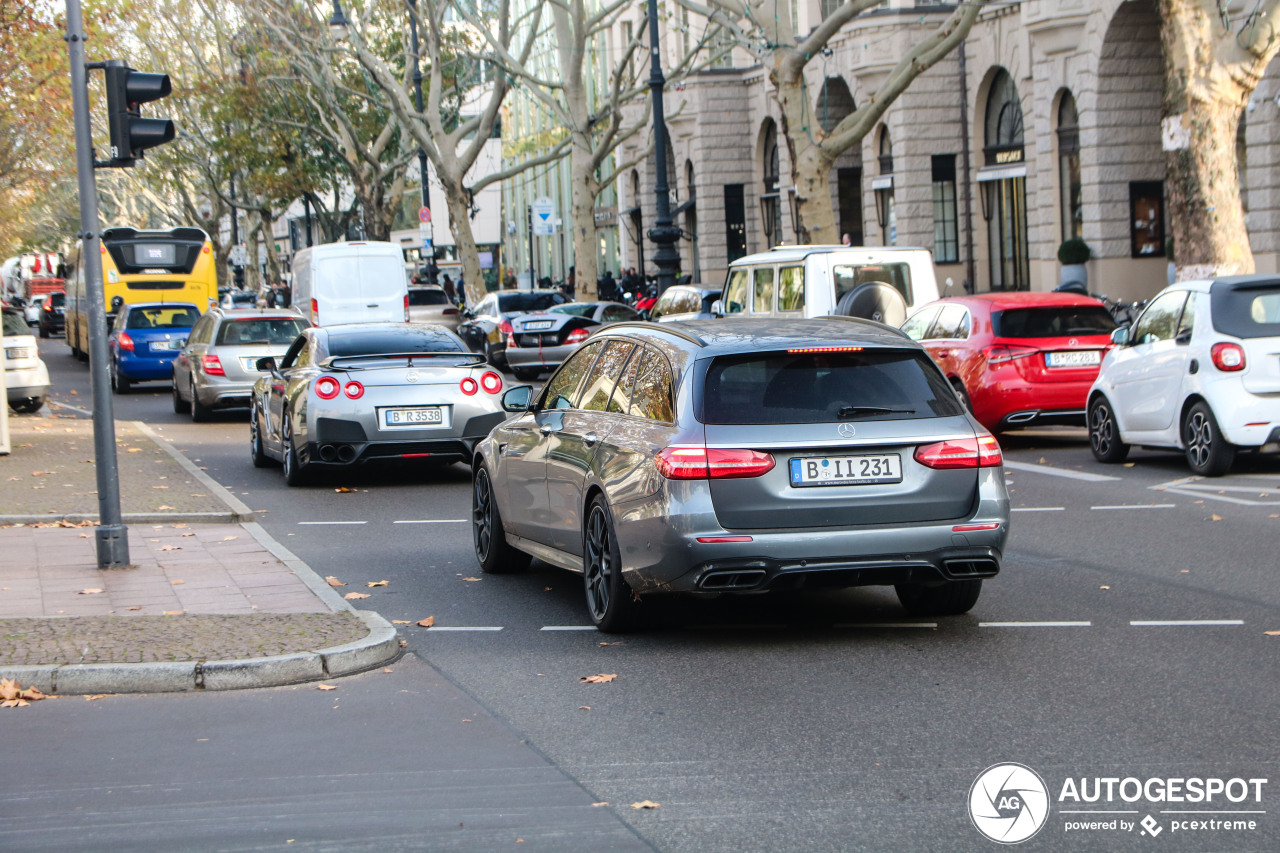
{"x":495,"y":554}
{"x":257,"y":454}
{"x":295,"y":471}
{"x":119,"y":384}
{"x":947,"y":599}
{"x":611,"y":603}
{"x":199,"y":411}
{"x":527,"y":374}
{"x":27,"y":405}
{"x":1208,"y":452}
{"x":180,"y":406}
{"x":1104,"y":433}
{"x":44,"y":333}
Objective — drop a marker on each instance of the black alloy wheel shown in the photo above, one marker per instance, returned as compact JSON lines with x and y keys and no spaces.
{"x":1104,"y":435}
{"x":610,"y":601}
{"x":199,"y":411}
{"x":257,"y":454}
{"x":180,"y":406}
{"x":1208,"y":453}
{"x":494,"y":554}
{"x":295,"y":471}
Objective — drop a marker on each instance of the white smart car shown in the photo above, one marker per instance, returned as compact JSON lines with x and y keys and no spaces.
{"x":25,"y":375}
{"x":1198,"y":372}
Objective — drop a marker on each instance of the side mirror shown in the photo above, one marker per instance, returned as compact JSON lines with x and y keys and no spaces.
{"x":948,"y":284}
{"x":517,"y":399}
{"x":717,"y":308}
{"x":181,"y":342}
{"x":1120,"y":337}
{"x":267,"y":364}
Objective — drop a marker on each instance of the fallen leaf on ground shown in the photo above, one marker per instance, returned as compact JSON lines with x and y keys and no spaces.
{"x":164,"y":506}
{"x":342,"y":490}
{"x":171,"y":612}
{"x":159,"y":487}
{"x":1129,"y":464}
{"x":584,"y":707}
{"x":16,"y":478}
{"x":96,"y":696}
{"x":326,"y":687}
{"x":176,"y":583}
{"x":134,"y":450}
{"x":404,"y":644}
{"x":40,"y":473}
{"x":427,"y":623}
{"x":598,"y":805}
{"x":603,"y":678}
{"x":471,"y":579}
{"x":372,"y":584}
{"x":388,"y":670}
{"x":179,"y":526}
{"x":401,"y":622}
{"x":1043,"y":460}
{"x":546,"y":589}
{"x":614,"y":643}
{"x":1272,"y":633}
{"x":1104,"y":586}
{"x":139,"y":607}
{"x":170,"y":548}
{"x":1215,"y":517}
{"x":356,"y":595}
{"x":645,"y":804}
{"x":229,"y":538}
{"x":89,"y":591}
{"x":465,"y":720}
{"x":332,"y":581}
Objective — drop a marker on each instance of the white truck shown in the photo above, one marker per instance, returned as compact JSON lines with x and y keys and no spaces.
{"x":358,"y":282}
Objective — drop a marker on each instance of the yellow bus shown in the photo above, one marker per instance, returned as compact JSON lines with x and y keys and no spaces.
{"x":143,"y":266}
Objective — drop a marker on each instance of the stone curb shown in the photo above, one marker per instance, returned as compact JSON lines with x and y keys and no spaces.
{"x":238,"y":507}
{"x":128,"y":517}
{"x":379,"y":647}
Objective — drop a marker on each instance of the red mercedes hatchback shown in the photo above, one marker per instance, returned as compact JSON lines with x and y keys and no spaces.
{"x":1018,"y":359}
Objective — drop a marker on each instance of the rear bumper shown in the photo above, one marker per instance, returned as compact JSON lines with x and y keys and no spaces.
{"x":225,"y":395}
{"x":139,"y":368}
{"x":344,"y":454}
{"x":15,"y":393}
{"x":949,"y":564}
{"x":546,"y":357}
{"x":1009,"y":405}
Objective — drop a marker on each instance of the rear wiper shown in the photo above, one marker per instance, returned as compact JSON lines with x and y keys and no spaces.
{"x":854,"y":411}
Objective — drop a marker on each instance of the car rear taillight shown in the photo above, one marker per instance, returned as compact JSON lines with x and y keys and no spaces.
{"x":47,"y":305}
{"x":491,"y":382}
{"x":354,"y":390}
{"x":125,"y":342}
{"x":980,"y":452}
{"x":577,"y":336}
{"x":1227,"y":357}
{"x":1001,"y":353}
{"x":213,"y":366}
{"x":315,"y":313}
{"x":327,"y":387}
{"x":716,"y":463}
{"x":505,"y":327}
{"x":406,"y":307}
{"x":469,"y":386}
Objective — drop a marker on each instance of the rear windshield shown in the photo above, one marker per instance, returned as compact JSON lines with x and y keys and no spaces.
{"x":1247,"y":312}
{"x":577,"y":309}
{"x":383,"y":342}
{"x":58,"y":299}
{"x":419,"y":298}
{"x":807,"y":388}
{"x":525,"y":301}
{"x":261,"y":330}
{"x":1054,"y":322}
{"x":180,"y":317}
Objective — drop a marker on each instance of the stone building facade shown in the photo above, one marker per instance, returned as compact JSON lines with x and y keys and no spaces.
{"x":1044,"y":125}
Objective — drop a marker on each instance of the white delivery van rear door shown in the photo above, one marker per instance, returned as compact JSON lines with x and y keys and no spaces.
{"x":359,"y":283}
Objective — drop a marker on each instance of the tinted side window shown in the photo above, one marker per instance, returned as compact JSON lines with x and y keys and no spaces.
{"x":613,"y":313}
{"x":1187,"y":324}
{"x":652,"y":395}
{"x":952,"y":322}
{"x":1159,"y":321}
{"x":918,"y":323}
{"x":291,"y":357}
{"x":620,"y":402}
{"x":763,"y":301}
{"x":736,"y":293}
{"x":562,"y":390}
{"x":791,"y":289}
{"x":598,"y":390}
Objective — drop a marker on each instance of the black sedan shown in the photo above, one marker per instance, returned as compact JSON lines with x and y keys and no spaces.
{"x":541,"y":342}
{"x":487,"y":325}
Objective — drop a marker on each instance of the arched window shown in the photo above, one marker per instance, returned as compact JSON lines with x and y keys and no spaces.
{"x":1004,"y":185}
{"x":1069,"y":168}
{"x":1003,"y":142}
{"x":770,"y":201}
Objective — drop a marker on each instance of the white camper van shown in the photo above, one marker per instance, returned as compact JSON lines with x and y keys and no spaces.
{"x":358,"y":282}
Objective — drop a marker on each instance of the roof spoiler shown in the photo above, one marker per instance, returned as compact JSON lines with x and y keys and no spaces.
{"x":337,"y":360}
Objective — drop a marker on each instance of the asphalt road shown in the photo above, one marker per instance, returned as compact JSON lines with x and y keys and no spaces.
{"x":1126,"y":637}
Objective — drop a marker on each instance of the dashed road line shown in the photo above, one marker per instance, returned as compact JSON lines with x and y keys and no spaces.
{"x":1193,"y":487}
{"x":319,"y":523}
{"x":1035,"y":624}
{"x":435,"y":629}
{"x":567,"y":628}
{"x":1038,"y":509}
{"x":434,"y":521}
{"x":1059,"y":472}
{"x":1136,"y":506}
{"x":1153,"y":623}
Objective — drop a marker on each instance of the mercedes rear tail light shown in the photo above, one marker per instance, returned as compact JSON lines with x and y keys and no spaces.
{"x":1002,"y":353}
{"x":577,"y":336}
{"x":327,"y":387}
{"x":716,"y":463}
{"x":980,"y":452}
{"x":213,"y":366}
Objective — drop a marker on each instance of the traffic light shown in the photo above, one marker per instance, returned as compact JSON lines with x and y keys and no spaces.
{"x":131,"y":134}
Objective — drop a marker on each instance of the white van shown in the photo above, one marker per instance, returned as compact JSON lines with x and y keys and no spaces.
{"x":359,"y":282}
{"x":882,"y":283}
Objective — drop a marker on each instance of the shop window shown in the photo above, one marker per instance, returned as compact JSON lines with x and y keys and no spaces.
{"x":946,"y":240}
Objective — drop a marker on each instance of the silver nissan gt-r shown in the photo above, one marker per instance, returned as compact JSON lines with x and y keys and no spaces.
{"x":346,"y":395}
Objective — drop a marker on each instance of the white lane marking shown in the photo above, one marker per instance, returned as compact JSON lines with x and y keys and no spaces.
{"x":332,"y":522}
{"x":435,"y":629}
{"x":72,"y":408}
{"x":1035,"y":624}
{"x":1059,"y":472}
{"x":1150,"y":623}
{"x":567,"y":628}
{"x":1038,"y":509}
{"x":434,"y":521}
{"x":874,"y":625}
{"x":1137,"y":506}
{"x":1193,"y":487}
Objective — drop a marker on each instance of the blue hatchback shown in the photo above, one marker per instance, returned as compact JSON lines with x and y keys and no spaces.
{"x":144,"y":340}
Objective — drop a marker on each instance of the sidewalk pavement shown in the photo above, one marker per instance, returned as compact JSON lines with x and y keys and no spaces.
{"x":211,"y":601}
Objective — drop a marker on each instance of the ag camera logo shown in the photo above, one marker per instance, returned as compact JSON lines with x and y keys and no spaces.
{"x":1008,"y":803}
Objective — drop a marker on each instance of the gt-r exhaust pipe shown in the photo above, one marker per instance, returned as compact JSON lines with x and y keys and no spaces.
{"x":346,"y":453}
{"x":328,"y":452}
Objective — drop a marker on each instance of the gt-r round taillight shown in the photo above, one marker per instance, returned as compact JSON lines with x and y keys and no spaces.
{"x":327,"y":387}
{"x":577,"y":336}
{"x":354,"y":390}
{"x":469,"y":386}
{"x":1227,"y":357}
{"x":491,"y":382}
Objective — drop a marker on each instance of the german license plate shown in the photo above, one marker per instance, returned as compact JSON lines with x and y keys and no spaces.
{"x":538,"y":325}
{"x":1075,"y":358}
{"x":846,"y":470}
{"x":410,"y":417}
{"x":17,"y":353}
{"x":166,"y":346}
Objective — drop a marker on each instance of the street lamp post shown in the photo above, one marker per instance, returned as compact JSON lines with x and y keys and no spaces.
{"x":663,"y":233}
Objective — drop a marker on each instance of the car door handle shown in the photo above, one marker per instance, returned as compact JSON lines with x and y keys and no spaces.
{"x":591,"y":438}
{"x":942,"y":353}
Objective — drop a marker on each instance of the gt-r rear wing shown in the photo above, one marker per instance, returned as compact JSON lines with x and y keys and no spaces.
{"x":347,"y":362}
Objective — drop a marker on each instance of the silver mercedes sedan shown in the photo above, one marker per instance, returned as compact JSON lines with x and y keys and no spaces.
{"x":741,"y":455}
{"x":346,"y":395}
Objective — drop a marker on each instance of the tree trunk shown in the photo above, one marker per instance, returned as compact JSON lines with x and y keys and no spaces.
{"x":582,"y":218}
{"x":1208,"y":80}
{"x":465,"y":241}
{"x":810,"y":165}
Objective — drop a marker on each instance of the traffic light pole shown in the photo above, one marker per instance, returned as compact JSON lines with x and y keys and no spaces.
{"x":112,"y":537}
